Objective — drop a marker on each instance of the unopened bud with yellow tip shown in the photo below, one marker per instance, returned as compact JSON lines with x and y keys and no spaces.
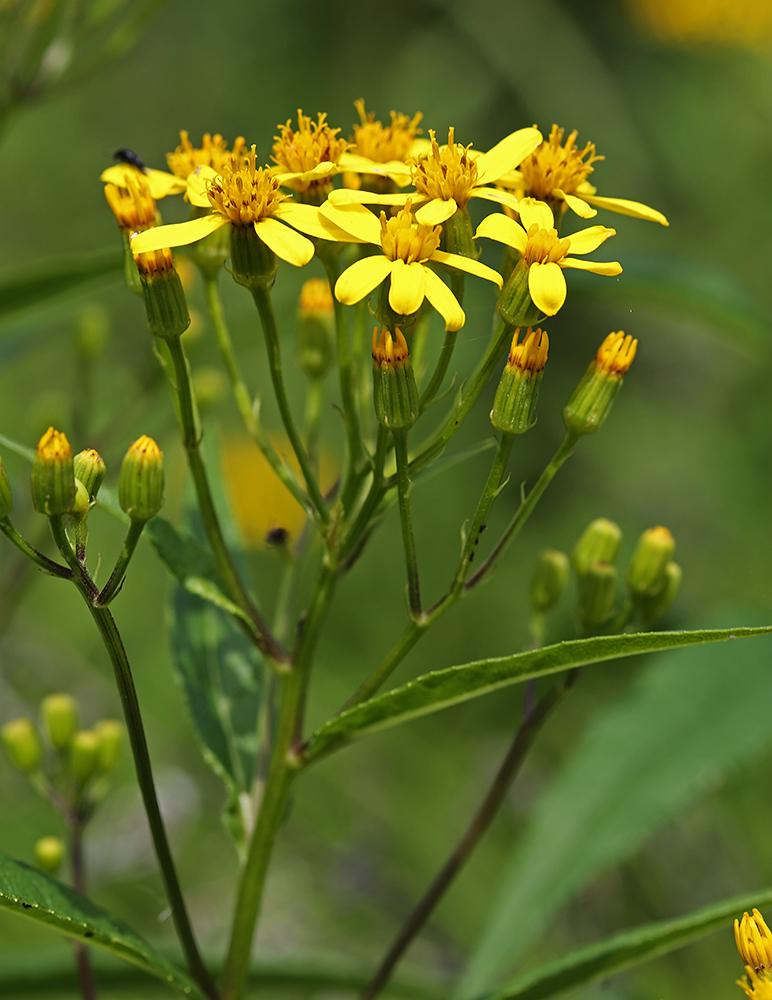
{"x":90,"y":470}
{"x":141,"y":483}
{"x":646,"y":572}
{"x":395,"y":393}
{"x":59,"y":719}
{"x":53,"y":477}
{"x":599,"y":542}
{"x":22,"y":745}
{"x":514,"y":407}
{"x":550,"y":577}
{"x":6,"y":494}
{"x":315,"y":328}
{"x":591,"y":401}
{"x":49,"y":854}
{"x":165,"y":303}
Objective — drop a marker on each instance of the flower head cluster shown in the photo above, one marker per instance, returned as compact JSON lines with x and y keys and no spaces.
{"x":307,"y":156}
{"x":213,"y":152}
{"x":381,"y":143}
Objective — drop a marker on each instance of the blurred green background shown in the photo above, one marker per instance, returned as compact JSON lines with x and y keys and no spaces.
{"x":678,"y":97}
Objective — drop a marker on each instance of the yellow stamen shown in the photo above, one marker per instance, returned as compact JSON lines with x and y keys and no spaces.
{"x":132,"y":205}
{"x":754,"y":941}
{"x":553,"y":165}
{"x":380,"y":142}
{"x":544,"y":246}
{"x":154,"y":262}
{"x":54,"y":447}
{"x":244,"y":194}
{"x":404,"y":239}
{"x":213,"y":152}
{"x":388,"y":351}
{"x":531,"y":355}
{"x":308,"y":146}
{"x":615,"y":355}
{"x":446,"y":173}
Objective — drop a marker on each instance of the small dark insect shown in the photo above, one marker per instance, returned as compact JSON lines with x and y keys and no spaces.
{"x":130,"y":157}
{"x":277,"y":536}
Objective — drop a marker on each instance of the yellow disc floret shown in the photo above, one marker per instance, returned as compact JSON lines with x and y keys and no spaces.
{"x":213,"y":152}
{"x":154,"y":262}
{"x":404,"y":239}
{"x":531,"y":355}
{"x":382,"y":143}
{"x":544,"y":246}
{"x":615,"y":356}
{"x":132,"y":205}
{"x":447,"y":172}
{"x":388,"y":351}
{"x":244,"y":194}
{"x":553,"y":165}
{"x":312,"y":143}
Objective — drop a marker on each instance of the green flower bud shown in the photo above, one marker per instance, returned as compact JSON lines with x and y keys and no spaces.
{"x":597,"y":596}
{"x":253,"y":263}
{"x":515,"y":304}
{"x":90,"y":470}
{"x":599,"y":542}
{"x":210,"y":385}
{"x":315,"y":328}
{"x":84,"y":756}
{"x":165,"y":303}
{"x":514,"y":408}
{"x":49,"y":854}
{"x":59,"y":719}
{"x":646,"y":572}
{"x":22,"y":745}
{"x":80,"y":505}
{"x":656,"y":607}
{"x":110,"y":733}
{"x":141,"y":483}
{"x":6,"y":494}
{"x":53,"y":478}
{"x":395,"y":393}
{"x":550,"y":577}
{"x":591,"y":401}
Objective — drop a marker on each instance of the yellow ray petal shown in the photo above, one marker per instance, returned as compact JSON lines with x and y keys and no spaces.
{"x":357,"y":220}
{"x":347,"y":196}
{"x":436,"y":211}
{"x":319,"y":172}
{"x":503,"y":229}
{"x":197,"y":182}
{"x":587,"y":240}
{"x":467,"y":264}
{"x":161,"y":183}
{"x":609,"y":268}
{"x":547,"y":287}
{"x":307,"y":219}
{"x":581,"y":208}
{"x":624,"y":207}
{"x":408,"y":286}
{"x":179,"y":235}
{"x":361,"y":278}
{"x":285,"y":242}
{"x":444,"y":301}
{"x":396,"y":170}
{"x":500,"y":197}
{"x":539,"y":212}
{"x":514,"y":179}
{"x":507,"y":154}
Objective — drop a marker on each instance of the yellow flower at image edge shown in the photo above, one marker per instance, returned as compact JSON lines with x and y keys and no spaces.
{"x":544,"y":253}
{"x":407,"y":248}
{"x":754,"y":944}
{"x":243,"y":195}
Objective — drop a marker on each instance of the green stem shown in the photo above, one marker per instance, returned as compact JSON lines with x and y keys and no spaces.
{"x":404,"y":487}
{"x":41,"y":561}
{"x":314,"y":397}
{"x":263,"y":302}
{"x":281,"y":772}
{"x":489,"y":494}
{"x":75,"y":823}
{"x":115,"y":582}
{"x":192,"y":444}
{"x":457,"y":285}
{"x":412,"y":633}
{"x":373,"y":497}
{"x":242,"y":396}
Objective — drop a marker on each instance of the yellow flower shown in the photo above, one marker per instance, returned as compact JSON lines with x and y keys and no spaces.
{"x":449,"y":176}
{"x":557,"y":174}
{"x":241,"y":195}
{"x":544,"y":253}
{"x":754,"y":943}
{"x":407,"y":246}
{"x":745,"y":22}
{"x":161,"y":184}
{"x":132,"y":203}
{"x":307,"y":157}
{"x":382,"y":151}
{"x":213,"y":152}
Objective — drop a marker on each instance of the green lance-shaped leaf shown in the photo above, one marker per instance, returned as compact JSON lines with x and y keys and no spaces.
{"x":222,"y":676}
{"x":31,"y":893}
{"x":624,"y":951}
{"x":442,"y":688}
{"x":687,"y":720}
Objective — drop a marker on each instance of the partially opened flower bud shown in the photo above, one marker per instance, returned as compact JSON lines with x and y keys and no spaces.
{"x":591,"y":401}
{"x":141,"y":483}
{"x":514,"y":408}
{"x":22,"y":745}
{"x":53,"y":477}
{"x":395,"y":393}
{"x":59,"y":719}
{"x":165,"y":303}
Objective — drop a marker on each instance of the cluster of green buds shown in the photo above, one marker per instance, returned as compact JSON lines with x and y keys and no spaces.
{"x":67,"y":765}
{"x":514,"y":407}
{"x":395,"y":392}
{"x":591,"y":401}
